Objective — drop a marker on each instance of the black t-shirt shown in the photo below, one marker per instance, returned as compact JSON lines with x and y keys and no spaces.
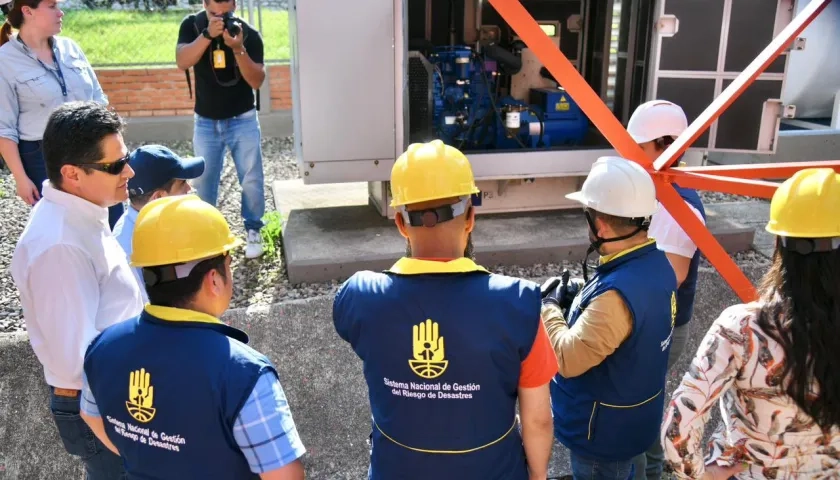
{"x":218,"y":94}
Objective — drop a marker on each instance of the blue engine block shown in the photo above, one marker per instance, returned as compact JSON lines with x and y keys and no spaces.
{"x":467,"y":114}
{"x":463,"y":112}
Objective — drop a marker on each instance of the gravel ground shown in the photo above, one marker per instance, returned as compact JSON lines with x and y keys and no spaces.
{"x":717,"y":197}
{"x":256,"y":282}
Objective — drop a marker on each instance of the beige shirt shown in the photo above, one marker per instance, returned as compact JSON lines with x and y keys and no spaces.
{"x":601,"y":328}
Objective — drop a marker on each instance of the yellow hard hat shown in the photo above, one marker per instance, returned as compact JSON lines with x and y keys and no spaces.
{"x":430,"y":171}
{"x":806,"y":205}
{"x":179,"y":229}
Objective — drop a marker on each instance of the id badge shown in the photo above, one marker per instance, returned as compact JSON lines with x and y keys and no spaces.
{"x":218,"y":58}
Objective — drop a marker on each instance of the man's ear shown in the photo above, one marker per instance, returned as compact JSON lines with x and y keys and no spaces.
{"x":470,"y":219}
{"x":70,"y":173}
{"x":603,"y":228}
{"x":159,"y":193}
{"x":401,"y":226}
{"x":212,"y":283}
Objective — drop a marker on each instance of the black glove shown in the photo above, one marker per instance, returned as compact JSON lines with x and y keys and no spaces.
{"x":561,"y":291}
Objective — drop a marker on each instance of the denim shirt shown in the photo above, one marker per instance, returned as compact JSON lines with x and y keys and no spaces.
{"x":29,"y":92}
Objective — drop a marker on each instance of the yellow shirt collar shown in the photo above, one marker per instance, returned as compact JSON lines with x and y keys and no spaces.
{"x":415,"y":266}
{"x":606,"y":258}
{"x":179,"y":314}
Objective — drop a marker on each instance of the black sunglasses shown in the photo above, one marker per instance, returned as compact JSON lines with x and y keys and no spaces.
{"x":112,"y":168}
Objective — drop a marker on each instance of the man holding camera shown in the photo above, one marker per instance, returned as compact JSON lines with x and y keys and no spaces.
{"x":612,"y":333}
{"x":226,"y":55}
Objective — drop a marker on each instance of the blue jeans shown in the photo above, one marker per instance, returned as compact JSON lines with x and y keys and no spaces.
{"x":584,"y":468}
{"x":32,"y":158}
{"x":241,"y":134}
{"x":80,"y":441}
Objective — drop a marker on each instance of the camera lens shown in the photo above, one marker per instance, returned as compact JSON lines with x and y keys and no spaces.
{"x":230,"y":25}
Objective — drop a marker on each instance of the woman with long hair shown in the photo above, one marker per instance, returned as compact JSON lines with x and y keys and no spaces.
{"x":39,"y":71}
{"x":773,"y":363}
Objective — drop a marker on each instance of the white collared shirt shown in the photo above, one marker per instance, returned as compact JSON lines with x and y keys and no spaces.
{"x":669,"y":235}
{"x":123,"y":232}
{"x":73,"y":281}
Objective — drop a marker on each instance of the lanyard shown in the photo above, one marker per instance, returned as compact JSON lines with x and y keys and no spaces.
{"x":57,"y":74}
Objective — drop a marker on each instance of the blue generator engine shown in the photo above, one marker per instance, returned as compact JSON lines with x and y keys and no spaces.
{"x":552,"y":119}
{"x":467,"y":112}
{"x":462,"y":102}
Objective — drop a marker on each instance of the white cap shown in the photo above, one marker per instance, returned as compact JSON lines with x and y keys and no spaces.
{"x":4,"y":2}
{"x":656,"y":119}
{"x":618,"y":187}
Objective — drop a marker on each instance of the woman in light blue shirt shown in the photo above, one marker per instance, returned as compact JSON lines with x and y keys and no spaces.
{"x":39,"y":72}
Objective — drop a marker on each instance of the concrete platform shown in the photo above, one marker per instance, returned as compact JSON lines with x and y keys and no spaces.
{"x":752,"y":214}
{"x":294,"y":195}
{"x":323,"y":244}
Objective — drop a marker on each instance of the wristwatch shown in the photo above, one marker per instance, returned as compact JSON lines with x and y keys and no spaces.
{"x":206,"y":34}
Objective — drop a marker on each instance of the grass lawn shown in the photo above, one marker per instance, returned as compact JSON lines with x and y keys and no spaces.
{"x":134,"y":37}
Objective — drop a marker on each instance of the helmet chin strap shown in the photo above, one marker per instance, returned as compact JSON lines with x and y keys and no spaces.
{"x":641,"y":224}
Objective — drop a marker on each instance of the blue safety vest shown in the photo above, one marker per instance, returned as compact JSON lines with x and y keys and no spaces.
{"x":686,"y":291}
{"x":613,"y":411}
{"x":442,"y":345}
{"x":169,"y":385}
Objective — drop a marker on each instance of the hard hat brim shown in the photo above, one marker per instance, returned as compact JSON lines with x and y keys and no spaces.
{"x":578,"y":197}
{"x":783,"y":232}
{"x":236,"y":243}
{"x":641,"y":138}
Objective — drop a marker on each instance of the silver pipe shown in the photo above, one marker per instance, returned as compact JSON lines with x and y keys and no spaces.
{"x":259,"y":15}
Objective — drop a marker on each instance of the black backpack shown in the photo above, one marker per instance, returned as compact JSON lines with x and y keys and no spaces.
{"x":199,"y":25}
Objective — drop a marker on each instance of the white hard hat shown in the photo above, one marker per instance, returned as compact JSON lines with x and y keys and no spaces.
{"x":656,"y":119}
{"x":618,"y":187}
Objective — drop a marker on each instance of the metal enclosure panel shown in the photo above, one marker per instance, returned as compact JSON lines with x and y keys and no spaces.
{"x":344,"y":90}
{"x":700,"y":46}
{"x":751,"y":25}
{"x":294,"y":68}
{"x":693,"y":95}
{"x":494,"y":166}
{"x":738,"y":127}
{"x":694,"y":47}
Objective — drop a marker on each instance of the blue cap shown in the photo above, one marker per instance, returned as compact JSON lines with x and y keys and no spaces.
{"x":154,"y":165}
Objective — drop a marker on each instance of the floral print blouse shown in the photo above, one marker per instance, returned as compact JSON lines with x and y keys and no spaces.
{"x":740,"y":366}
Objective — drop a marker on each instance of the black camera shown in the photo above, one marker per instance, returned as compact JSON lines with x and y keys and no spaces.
{"x":231,"y":26}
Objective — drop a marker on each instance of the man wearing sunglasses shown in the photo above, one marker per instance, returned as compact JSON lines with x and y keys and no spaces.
{"x":158,"y":172}
{"x":71,"y":273}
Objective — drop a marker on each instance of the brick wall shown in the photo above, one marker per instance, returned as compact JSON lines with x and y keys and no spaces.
{"x":163,"y":92}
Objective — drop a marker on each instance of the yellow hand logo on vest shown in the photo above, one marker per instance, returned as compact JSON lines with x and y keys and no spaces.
{"x":429,"y":360}
{"x":140,"y":396}
{"x":673,"y":308}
